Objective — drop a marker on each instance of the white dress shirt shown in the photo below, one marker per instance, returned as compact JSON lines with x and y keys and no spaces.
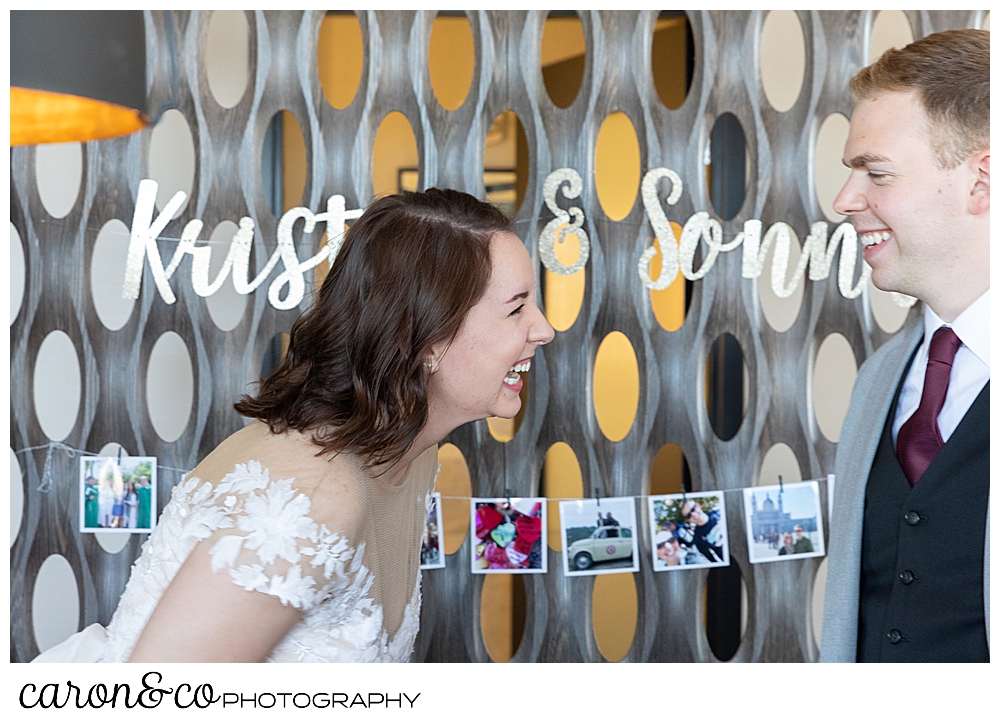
{"x":969,"y":372}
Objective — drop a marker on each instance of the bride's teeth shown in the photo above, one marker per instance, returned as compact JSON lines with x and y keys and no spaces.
{"x":512,"y":379}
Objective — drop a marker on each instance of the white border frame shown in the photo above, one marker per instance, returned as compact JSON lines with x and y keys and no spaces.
{"x":720,"y":496}
{"x":436,"y":497}
{"x":81,"y":495}
{"x":514,"y":501}
{"x":611,"y":570}
{"x":819,"y":548}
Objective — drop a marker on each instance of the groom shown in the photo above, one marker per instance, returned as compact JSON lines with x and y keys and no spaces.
{"x":909,"y":537}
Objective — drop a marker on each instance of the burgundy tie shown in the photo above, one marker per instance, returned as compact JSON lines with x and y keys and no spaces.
{"x":919,"y":439}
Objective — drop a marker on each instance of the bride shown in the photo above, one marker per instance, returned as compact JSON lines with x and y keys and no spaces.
{"x":298,"y":538}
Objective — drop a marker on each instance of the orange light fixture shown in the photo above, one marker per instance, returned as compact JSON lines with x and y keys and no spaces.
{"x":76,"y":75}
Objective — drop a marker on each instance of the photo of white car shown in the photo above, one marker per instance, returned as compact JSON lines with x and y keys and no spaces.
{"x":605,"y":543}
{"x":598,"y":536}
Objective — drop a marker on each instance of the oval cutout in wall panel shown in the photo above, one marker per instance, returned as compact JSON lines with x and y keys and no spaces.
{"x":169,"y":386}
{"x":890,"y":29}
{"x":227,"y":56}
{"x":57,"y":385}
{"x":563,"y":58}
{"x":55,"y":602}
{"x":340,"y":58}
{"x":829,"y":172}
{"x":615,"y":610}
{"x":818,"y":599}
{"x":171,"y":158}
{"x":455,"y":485}
{"x":669,"y":471}
{"x":294,"y":162}
{"x":725,"y":610}
{"x":451,"y":60}
{"x":728,"y":173}
{"x":17,"y":273}
{"x":780,"y":461}
{"x":889,"y":315}
{"x":616,"y":166}
{"x":561,"y":479}
{"x":782,"y":58}
{"x":225,"y":306}
{"x":779,"y":312}
{"x":616,"y":386}
{"x":502,"y":612}
{"x":58,"y":176}
{"x":506,"y":163}
{"x":669,"y":304}
{"x":16,"y":497}
{"x":672,"y":59}
{"x":563,"y":295}
{"x":726,"y":386}
{"x":395,"y":148}
{"x":834,"y":372}
{"x":107,"y":269}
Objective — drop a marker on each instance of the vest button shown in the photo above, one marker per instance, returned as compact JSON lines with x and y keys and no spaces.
{"x":906,"y":577}
{"x":912,"y":518}
{"x":894,"y":636}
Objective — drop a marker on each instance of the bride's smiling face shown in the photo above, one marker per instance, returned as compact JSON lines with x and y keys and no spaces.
{"x":478,"y":374}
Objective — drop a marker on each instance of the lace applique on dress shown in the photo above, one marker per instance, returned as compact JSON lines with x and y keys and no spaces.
{"x":276,"y":548}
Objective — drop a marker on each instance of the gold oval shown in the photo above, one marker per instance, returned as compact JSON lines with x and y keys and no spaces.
{"x":453,"y":481}
{"x":564,"y":294}
{"x":563,"y":58}
{"x":340,"y":57}
{"x":615,"y":614}
{"x":506,"y":163}
{"x":394,"y":150}
{"x":502,"y":611}
{"x":669,"y":304}
{"x":616,"y":386}
{"x":294,"y":162}
{"x":670,"y":59}
{"x":617,"y":166}
{"x":666,"y":476}
{"x":451,"y":60}
{"x":561,"y":479}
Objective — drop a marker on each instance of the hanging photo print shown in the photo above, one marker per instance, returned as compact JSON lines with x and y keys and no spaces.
{"x":509,"y":535}
{"x":783,"y":522}
{"x":432,"y":543}
{"x":598,"y":536}
{"x":117,"y":494}
{"x":688,"y":531}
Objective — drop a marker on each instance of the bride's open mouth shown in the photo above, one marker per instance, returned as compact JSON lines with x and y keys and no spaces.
{"x":513,"y":378}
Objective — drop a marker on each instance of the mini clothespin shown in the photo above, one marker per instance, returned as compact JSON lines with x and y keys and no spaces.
{"x":119,"y":463}
{"x":507,"y":492}
{"x":597,"y":493}
{"x":781,"y":485}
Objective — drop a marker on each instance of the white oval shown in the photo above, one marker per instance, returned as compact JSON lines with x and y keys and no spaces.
{"x":829,"y":172}
{"x":834,"y":372}
{"x":55,"y":602}
{"x":781,"y":313}
{"x":17,"y":272}
{"x":818,"y":598}
{"x":171,"y":158}
{"x":112,"y":542}
{"x":57,"y":385}
{"x":780,"y":461}
{"x":225,"y":306}
{"x":58,"y":174}
{"x":891,"y":29}
{"x":782,"y":58}
{"x":889,"y":315}
{"x":16,"y":497}
{"x":169,"y":386}
{"x":107,"y":275}
{"x":227,"y":56}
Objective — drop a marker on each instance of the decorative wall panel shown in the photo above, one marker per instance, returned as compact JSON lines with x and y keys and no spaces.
{"x":227,"y":184}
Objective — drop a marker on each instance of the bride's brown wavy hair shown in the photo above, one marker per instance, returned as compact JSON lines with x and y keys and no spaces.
{"x":410,"y":269}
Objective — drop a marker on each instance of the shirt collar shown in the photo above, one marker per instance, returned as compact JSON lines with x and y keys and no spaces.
{"x":972,"y":326}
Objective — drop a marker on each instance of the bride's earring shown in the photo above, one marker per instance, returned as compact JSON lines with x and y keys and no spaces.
{"x":431,"y":366}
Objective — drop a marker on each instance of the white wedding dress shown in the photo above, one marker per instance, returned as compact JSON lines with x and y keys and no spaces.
{"x":350,"y":563}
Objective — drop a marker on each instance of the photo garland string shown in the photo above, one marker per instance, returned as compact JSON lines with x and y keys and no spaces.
{"x":688,"y":530}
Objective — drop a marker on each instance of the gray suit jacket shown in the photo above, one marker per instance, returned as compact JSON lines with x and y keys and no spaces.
{"x":871,"y":398}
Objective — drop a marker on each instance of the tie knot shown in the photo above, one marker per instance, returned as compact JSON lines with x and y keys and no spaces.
{"x":944,"y":346}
